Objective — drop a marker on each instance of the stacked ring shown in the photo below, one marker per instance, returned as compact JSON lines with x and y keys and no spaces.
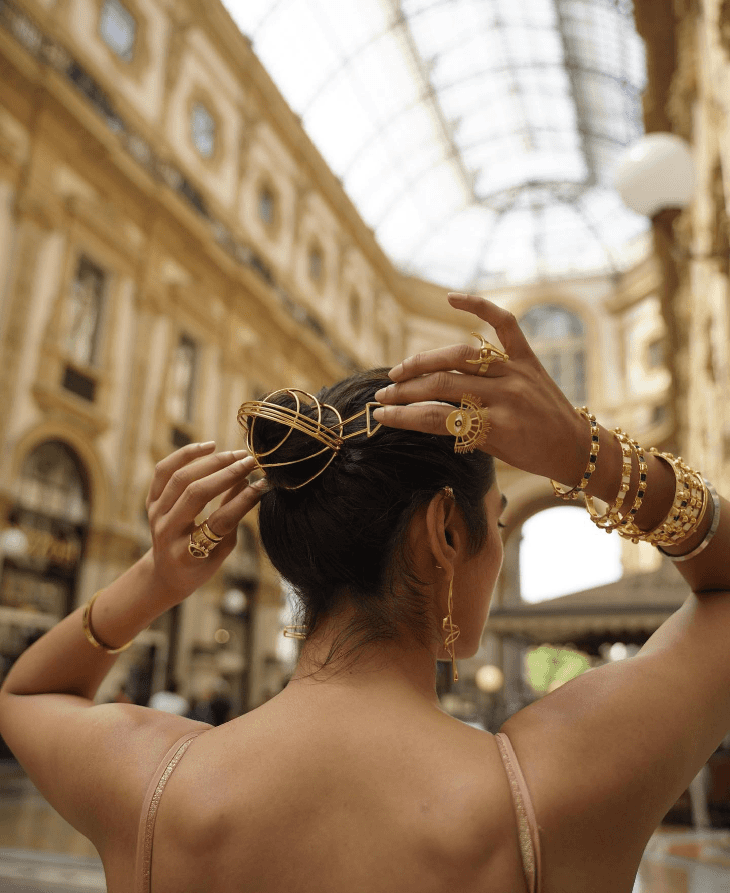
{"x":203,"y":541}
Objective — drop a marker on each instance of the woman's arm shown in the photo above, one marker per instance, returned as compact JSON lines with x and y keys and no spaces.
{"x":535,"y":428}
{"x":63,"y":660}
{"x":93,"y":762}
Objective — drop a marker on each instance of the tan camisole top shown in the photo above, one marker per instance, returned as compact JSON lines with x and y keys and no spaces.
{"x":526,"y":820}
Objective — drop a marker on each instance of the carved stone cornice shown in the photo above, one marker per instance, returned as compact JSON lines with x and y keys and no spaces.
{"x":60,"y":405}
{"x":40,"y":208}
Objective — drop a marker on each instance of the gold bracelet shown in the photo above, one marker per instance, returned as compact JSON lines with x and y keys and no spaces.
{"x":612,"y":517}
{"x":714,"y":524}
{"x":568,"y":495}
{"x":627,"y":528}
{"x":688,"y":507}
{"x":86,"y":623}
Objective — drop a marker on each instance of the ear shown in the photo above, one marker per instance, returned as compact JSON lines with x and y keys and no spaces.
{"x":444,"y":535}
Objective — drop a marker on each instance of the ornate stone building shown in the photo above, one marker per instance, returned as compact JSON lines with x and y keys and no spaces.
{"x":172,"y":244}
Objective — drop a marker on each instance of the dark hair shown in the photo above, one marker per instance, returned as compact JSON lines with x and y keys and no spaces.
{"x":341,"y":538}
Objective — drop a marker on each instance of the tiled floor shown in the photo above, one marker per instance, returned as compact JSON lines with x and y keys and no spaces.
{"x":679,"y":860}
{"x":41,"y":853}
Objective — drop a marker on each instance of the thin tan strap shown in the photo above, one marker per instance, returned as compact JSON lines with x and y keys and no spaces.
{"x":143,"y":870}
{"x":528,"y":832}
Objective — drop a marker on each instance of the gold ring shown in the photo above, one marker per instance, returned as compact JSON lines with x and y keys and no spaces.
{"x":488,"y":354}
{"x":469,"y":424}
{"x":203,"y":541}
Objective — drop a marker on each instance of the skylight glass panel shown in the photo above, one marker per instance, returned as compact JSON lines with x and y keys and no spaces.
{"x":348,"y":25}
{"x":461,"y":238}
{"x":437,"y":113}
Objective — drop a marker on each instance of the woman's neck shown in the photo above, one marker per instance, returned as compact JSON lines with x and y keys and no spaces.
{"x":384,"y":669}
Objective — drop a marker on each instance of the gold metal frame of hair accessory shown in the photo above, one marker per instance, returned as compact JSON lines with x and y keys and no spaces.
{"x":488,"y":354}
{"x":330,"y":436}
{"x":295,"y":632}
{"x":469,"y":424}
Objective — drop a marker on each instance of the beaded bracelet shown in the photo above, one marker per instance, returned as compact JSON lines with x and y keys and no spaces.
{"x":688,"y":508}
{"x":710,"y":533}
{"x":627,"y":528}
{"x":612,"y":518}
{"x":568,"y":495}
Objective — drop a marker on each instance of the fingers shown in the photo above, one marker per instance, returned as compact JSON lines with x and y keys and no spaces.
{"x":237,"y":503}
{"x":502,"y":321}
{"x":442,"y":386}
{"x":170,"y":464}
{"x":427,"y":417}
{"x":191,"y":487}
{"x":454,"y":357}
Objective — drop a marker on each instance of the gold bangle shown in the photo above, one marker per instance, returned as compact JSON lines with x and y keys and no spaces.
{"x":612,"y":517}
{"x":86,"y":623}
{"x":714,"y":524}
{"x":688,"y":507}
{"x":595,"y":446}
{"x":627,"y":528}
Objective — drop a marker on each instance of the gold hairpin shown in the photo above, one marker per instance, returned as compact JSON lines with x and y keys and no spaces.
{"x":469,"y":424}
{"x":330,"y":436}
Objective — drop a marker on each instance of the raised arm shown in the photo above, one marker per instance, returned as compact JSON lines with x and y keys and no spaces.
{"x":534,"y":427}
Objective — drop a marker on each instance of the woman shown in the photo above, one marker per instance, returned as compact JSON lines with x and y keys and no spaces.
{"x":353,"y":779}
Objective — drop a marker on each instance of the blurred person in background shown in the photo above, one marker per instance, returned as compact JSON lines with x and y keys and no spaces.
{"x":353,"y":778}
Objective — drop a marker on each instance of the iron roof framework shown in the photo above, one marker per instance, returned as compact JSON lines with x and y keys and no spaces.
{"x":476,"y":137}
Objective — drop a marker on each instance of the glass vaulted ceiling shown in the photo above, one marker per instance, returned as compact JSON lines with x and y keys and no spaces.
{"x":476,"y":137}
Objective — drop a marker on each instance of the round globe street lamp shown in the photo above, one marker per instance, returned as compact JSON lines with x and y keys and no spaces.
{"x":655,"y":177}
{"x":656,"y":172}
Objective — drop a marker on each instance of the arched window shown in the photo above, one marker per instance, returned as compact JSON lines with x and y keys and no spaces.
{"x":52,"y":482}
{"x":202,"y":127}
{"x":44,"y":541}
{"x":118,"y":29}
{"x":267,"y":206}
{"x":181,"y":391}
{"x":316,"y":263}
{"x":562,"y":551}
{"x":558,"y":338}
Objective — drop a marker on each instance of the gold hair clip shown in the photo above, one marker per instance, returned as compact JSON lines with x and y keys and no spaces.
{"x":330,"y":436}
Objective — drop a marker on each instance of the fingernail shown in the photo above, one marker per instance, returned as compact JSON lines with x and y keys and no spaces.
{"x":240,"y":454}
{"x":206,"y":446}
{"x":259,"y":485}
{"x":383,"y":392}
{"x":379,"y":414}
{"x":396,"y":371}
{"x":456,"y":294}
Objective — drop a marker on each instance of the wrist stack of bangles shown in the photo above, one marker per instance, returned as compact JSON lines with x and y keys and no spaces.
{"x":693,"y":495}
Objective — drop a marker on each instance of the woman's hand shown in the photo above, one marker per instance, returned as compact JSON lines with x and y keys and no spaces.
{"x":183,"y":484}
{"x":533,"y":425}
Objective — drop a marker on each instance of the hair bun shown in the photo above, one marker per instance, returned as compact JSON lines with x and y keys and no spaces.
{"x":292,"y":435}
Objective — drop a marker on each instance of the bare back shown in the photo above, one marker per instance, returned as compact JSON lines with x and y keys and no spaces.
{"x":353,"y":799}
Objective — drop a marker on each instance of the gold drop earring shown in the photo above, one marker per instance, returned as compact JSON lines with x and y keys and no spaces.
{"x":452,"y":632}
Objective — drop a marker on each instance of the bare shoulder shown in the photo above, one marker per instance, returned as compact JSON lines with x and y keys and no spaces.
{"x":608,"y":754}
{"x":136,"y":740}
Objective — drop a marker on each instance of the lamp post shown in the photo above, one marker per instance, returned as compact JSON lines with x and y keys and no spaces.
{"x":655,"y":177}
